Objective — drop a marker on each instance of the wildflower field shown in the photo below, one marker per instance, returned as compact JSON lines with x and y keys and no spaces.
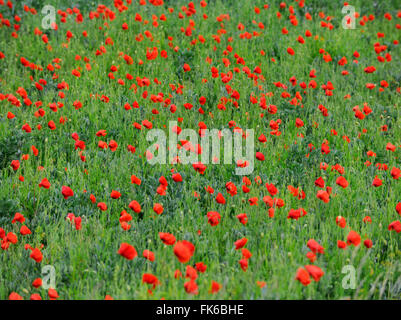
{"x":95,"y":205}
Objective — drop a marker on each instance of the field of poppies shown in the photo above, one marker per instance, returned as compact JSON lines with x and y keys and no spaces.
{"x":84,"y":214}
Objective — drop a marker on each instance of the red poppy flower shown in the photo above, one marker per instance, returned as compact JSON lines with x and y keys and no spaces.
{"x":127,"y":251}
{"x":36,"y":255}
{"x":67,"y":192}
{"x":377,"y":182}
{"x":240,"y":243}
{"x":341,"y":222}
{"x":135,"y":206}
{"x":14,"y":296}
{"x":35,"y":296}
{"x":395,"y":225}
{"x":315,"y":272}
{"x":147,"y":254}
{"x":303,"y":276}
{"x":184,"y":250}
{"x":353,"y":238}
{"x":167,"y":238}
{"x":158,"y":208}
{"x":44,"y":184}
{"x":191,"y":287}
{"x":18,"y":217}
{"x":213,"y":218}
{"x":150,"y":279}
{"x":290,"y":51}
{"x":342,"y":182}
{"x":52,"y":293}
{"x":15,"y":164}
{"x":37,"y":283}
{"x":25,"y":230}
{"x":115,"y":194}
{"x":314,"y":246}
{"x":215,"y":287}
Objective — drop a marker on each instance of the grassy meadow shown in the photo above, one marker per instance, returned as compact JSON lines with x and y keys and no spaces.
{"x":77,"y":103}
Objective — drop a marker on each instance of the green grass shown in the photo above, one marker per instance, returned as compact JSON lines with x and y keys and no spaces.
{"x":86,"y":261}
